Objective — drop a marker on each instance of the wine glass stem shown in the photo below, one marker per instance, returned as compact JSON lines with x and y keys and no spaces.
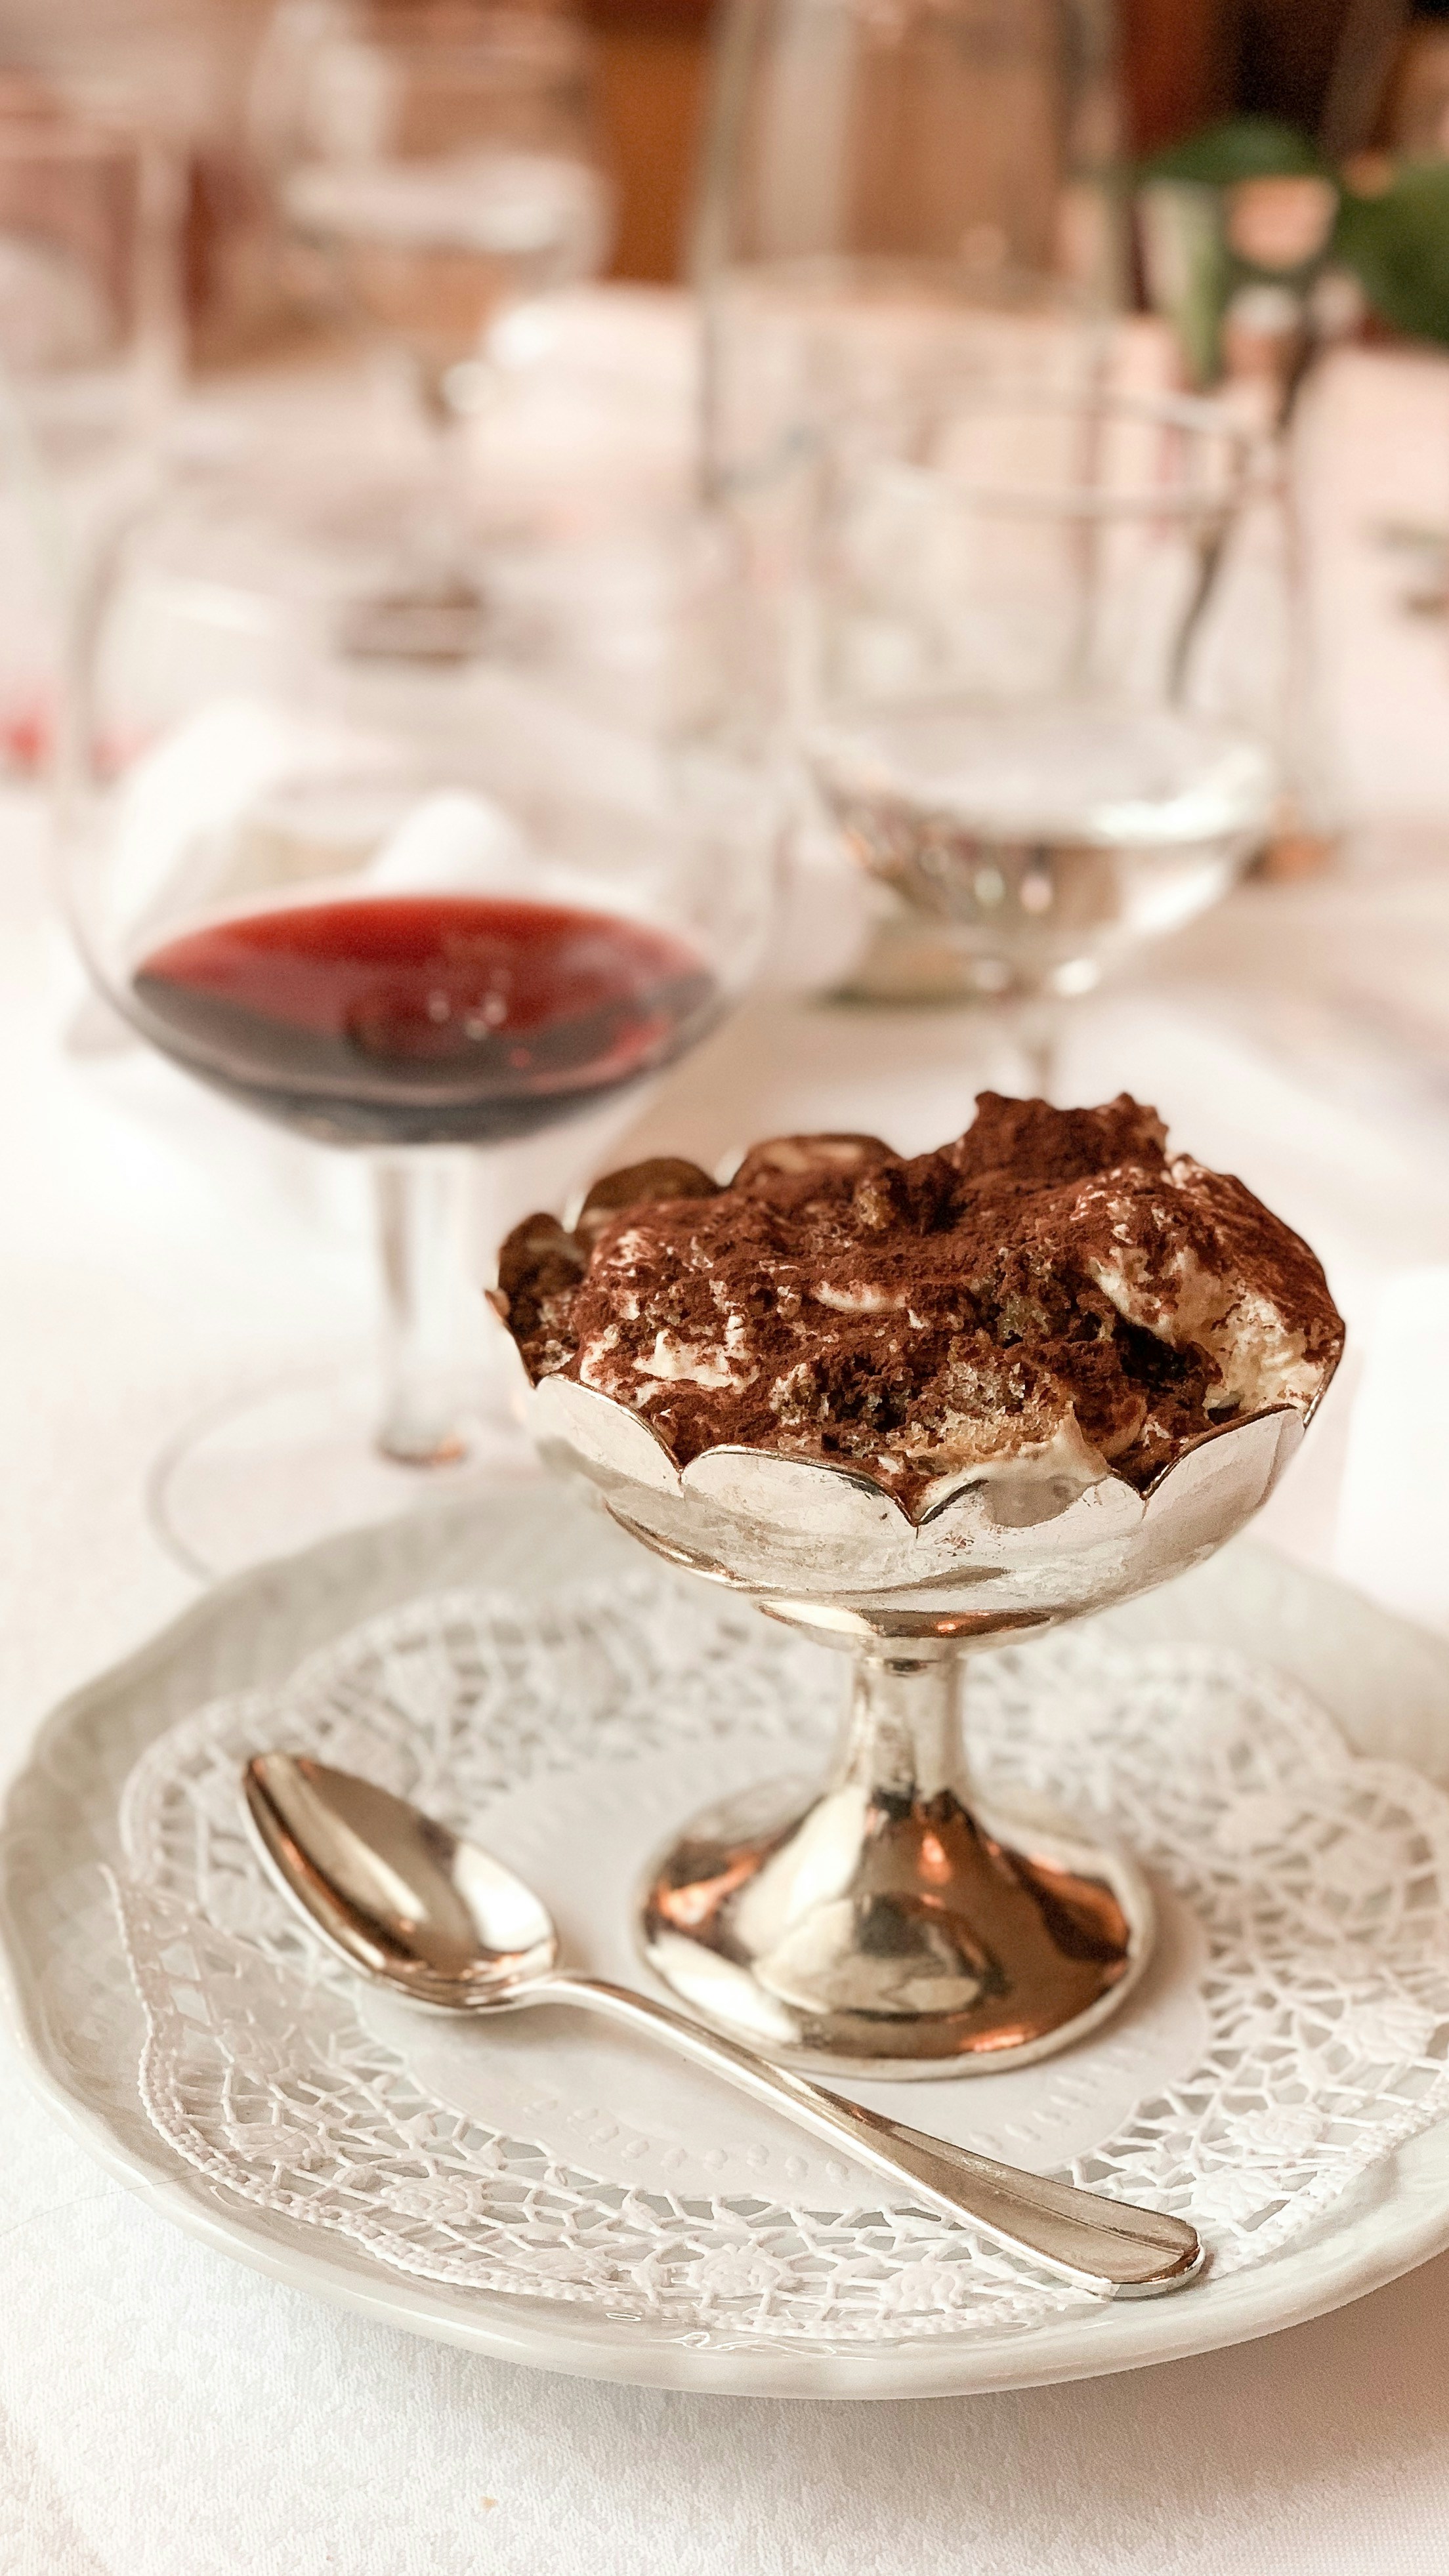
{"x":441,"y":533}
{"x":1030,"y":1026}
{"x":421,"y":1209}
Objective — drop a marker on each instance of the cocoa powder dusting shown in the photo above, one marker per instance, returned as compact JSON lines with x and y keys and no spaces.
{"x":1049,"y":1276}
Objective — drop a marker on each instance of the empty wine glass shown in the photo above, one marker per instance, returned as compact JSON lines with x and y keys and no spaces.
{"x":441,"y":163}
{"x":1047,"y":688}
{"x":88,"y":343}
{"x":873,"y":179}
{"x":397,"y":909}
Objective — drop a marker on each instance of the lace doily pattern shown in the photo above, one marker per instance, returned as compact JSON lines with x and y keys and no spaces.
{"x":1321,"y":1882}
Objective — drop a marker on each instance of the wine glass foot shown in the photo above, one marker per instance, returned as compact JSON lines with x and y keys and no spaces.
{"x":419,"y":622}
{"x":264,"y":1474}
{"x":864,"y":1937}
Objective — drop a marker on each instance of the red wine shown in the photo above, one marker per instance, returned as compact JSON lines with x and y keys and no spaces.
{"x":423,"y":1019}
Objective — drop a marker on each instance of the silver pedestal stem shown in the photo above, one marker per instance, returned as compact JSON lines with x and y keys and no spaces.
{"x":905,"y":1734}
{"x":883,"y":1929}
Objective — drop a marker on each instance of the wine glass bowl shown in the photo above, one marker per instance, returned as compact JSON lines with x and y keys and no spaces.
{"x":440,"y":166}
{"x":965,"y":139}
{"x":88,"y":219}
{"x":421,"y":1018}
{"x":443,"y":165}
{"x":889,"y":196}
{"x":1037,"y":718}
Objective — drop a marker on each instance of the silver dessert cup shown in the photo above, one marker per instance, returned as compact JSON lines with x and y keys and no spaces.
{"x":883,"y":1927}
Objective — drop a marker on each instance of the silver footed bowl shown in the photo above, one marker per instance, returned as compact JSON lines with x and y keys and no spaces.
{"x":886,"y":1927}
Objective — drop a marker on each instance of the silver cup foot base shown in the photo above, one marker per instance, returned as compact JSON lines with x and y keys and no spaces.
{"x":871,"y":1938}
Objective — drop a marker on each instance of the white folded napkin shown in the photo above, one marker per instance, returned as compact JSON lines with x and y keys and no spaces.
{"x":1393,"y":1520}
{"x":453,"y":842}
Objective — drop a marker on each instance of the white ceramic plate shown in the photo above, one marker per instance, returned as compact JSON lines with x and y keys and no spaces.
{"x":79,"y":2027}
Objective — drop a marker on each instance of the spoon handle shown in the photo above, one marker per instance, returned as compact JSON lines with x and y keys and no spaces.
{"x":1106,"y":2246}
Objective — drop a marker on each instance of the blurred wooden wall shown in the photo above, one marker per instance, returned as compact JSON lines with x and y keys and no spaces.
{"x":653,"y":63}
{"x":1183,"y":62}
{"x":1187,"y":60}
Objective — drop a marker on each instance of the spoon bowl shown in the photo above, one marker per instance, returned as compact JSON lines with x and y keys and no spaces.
{"x":399,"y":1896}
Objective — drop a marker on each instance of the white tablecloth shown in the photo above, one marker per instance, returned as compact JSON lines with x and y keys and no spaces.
{"x":166,"y":2413}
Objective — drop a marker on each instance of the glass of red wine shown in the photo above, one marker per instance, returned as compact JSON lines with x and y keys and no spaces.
{"x":407,"y":910}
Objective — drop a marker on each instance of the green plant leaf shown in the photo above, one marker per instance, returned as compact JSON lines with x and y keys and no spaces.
{"x":1397,"y":245}
{"x":1242,"y":147}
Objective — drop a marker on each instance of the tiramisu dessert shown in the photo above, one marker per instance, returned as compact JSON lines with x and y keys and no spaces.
{"x":1052,"y":1281}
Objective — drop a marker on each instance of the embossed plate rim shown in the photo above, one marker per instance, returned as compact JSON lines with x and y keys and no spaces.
{"x":1357,"y":1658}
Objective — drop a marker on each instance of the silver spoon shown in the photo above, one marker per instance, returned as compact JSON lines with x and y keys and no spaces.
{"x":413,"y":1906}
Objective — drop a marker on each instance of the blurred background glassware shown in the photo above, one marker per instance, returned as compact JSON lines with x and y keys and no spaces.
{"x":1417,"y":105}
{"x":895,"y":205}
{"x":394,"y":906}
{"x":441,"y":165}
{"x":179,"y":70}
{"x":1242,"y":235}
{"x":1048,"y":670}
{"x":87,"y":364}
{"x":871,"y":173}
